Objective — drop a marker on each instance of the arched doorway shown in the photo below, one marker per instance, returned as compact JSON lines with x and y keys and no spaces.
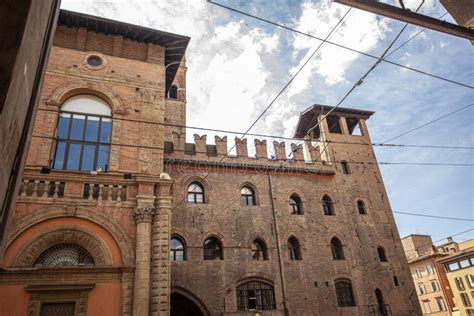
{"x":183,"y":306}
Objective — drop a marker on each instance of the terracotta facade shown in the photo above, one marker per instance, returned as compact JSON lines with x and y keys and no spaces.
{"x":124,"y":217}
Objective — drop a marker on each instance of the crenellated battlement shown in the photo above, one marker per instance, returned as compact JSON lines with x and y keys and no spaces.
{"x":305,"y":155}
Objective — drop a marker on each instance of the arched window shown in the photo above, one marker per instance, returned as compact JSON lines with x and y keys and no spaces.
{"x":177,"y":249}
{"x":337,"y":249}
{"x":65,"y":255}
{"x":213,"y":249}
{"x":328,"y":208}
{"x":345,"y":296}
{"x":173,"y":93}
{"x":382,"y":256}
{"x":259,"y":250}
{"x":83,"y":135}
{"x":254,"y":296}
{"x":345,"y":167}
{"x":296,"y":205}
{"x":195,"y":193}
{"x":294,"y":249}
{"x":247,"y":196}
{"x":361,"y":207}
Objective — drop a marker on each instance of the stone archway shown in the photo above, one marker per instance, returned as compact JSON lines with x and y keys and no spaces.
{"x":181,"y":305}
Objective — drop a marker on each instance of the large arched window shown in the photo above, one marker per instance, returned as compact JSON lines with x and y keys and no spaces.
{"x":247,"y":196}
{"x":65,"y":255}
{"x":294,"y":249}
{"x":177,"y":249}
{"x":259,"y":250}
{"x":195,"y":193}
{"x":382,"y":255}
{"x":296,"y":205}
{"x":337,"y":250}
{"x":345,"y":296}
{"x":327,"y":204}
{"x":213,"y":249}
{"x":254,"y":296}
{"x":83,"y":135}
{"x":361,"y":207}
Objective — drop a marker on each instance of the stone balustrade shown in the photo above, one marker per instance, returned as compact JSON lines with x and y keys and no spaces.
{"x":61,"y":184}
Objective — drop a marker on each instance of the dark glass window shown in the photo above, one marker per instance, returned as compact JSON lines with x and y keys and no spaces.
{"x":173,"y":94}
{"x":254,"y":296}
{"x":64,"y":255}
{"x":337,"y":249}
{"x":259,"y":250}
{"x":328,"y":208}
{"x":361,"y":207}
{"x":345,"y":296}
{"x":83,"y":142}
{"x":295,"y":205}
{"x":345,"y":167}
{"x":213,"y":249}
{"x":294,"y":249}
{"x":177,"y":249}
{"x":395,"y":280}
{"x":247,"y":196}
{"x":382,"y":255}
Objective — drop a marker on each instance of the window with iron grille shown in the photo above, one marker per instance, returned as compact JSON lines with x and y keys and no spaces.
{"x":177,"y":249}
{"x":195,"y":193}
{"x":83,"y":135}
{"x":58,"y":309}
{"x":213,"y":249}
{"x":345,"y":296}
{"x":254,"y":296}
{"x":247,"y":196}
{"x":64,"y":255}
{"x":295,"y":205}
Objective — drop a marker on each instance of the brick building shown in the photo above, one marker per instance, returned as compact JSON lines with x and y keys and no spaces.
{"x":118,"y":215}
{"x":429,"y":276}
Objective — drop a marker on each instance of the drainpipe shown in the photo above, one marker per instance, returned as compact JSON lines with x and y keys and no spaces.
{"x":277,"y":235}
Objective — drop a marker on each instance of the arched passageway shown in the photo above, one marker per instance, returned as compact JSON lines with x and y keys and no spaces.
{"x":183,"y":306}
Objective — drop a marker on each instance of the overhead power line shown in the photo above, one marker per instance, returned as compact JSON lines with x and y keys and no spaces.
{"x":273,"y":136}
{"x":341,"y":46}
{"x":436,"y":216}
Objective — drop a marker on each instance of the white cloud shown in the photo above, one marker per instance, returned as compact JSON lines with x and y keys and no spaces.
{"x":360,"y":30}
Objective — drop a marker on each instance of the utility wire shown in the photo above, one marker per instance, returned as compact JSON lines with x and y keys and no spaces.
{"x":341,"y":46}
{"x":45,"y":136}
{"x":436,"y":216}
{"x":294,"y":76}
{"x":267,"y":135}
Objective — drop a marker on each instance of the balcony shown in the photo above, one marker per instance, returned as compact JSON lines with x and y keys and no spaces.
{"x":60,"y":186}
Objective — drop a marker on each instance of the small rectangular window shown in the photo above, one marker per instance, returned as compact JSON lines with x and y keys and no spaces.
{"x":464,"y":263}
{"x":465,"y":300}
{"x":190,"y":149}
{"x":333,"y":124}
{"x":453,"y":266}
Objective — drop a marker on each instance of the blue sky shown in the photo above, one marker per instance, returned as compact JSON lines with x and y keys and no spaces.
{"x":236,"y":65}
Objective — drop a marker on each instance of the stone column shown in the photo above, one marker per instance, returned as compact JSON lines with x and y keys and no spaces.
{"x":160,"y":258}
{"x":141,"y":288}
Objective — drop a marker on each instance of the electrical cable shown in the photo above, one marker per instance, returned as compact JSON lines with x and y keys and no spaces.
{"x":342,"y":46}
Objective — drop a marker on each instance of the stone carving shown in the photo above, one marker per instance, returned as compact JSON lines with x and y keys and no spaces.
{"x":144,"y":214}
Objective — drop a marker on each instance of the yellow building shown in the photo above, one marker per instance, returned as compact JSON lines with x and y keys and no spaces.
{"x":460,"y":274}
